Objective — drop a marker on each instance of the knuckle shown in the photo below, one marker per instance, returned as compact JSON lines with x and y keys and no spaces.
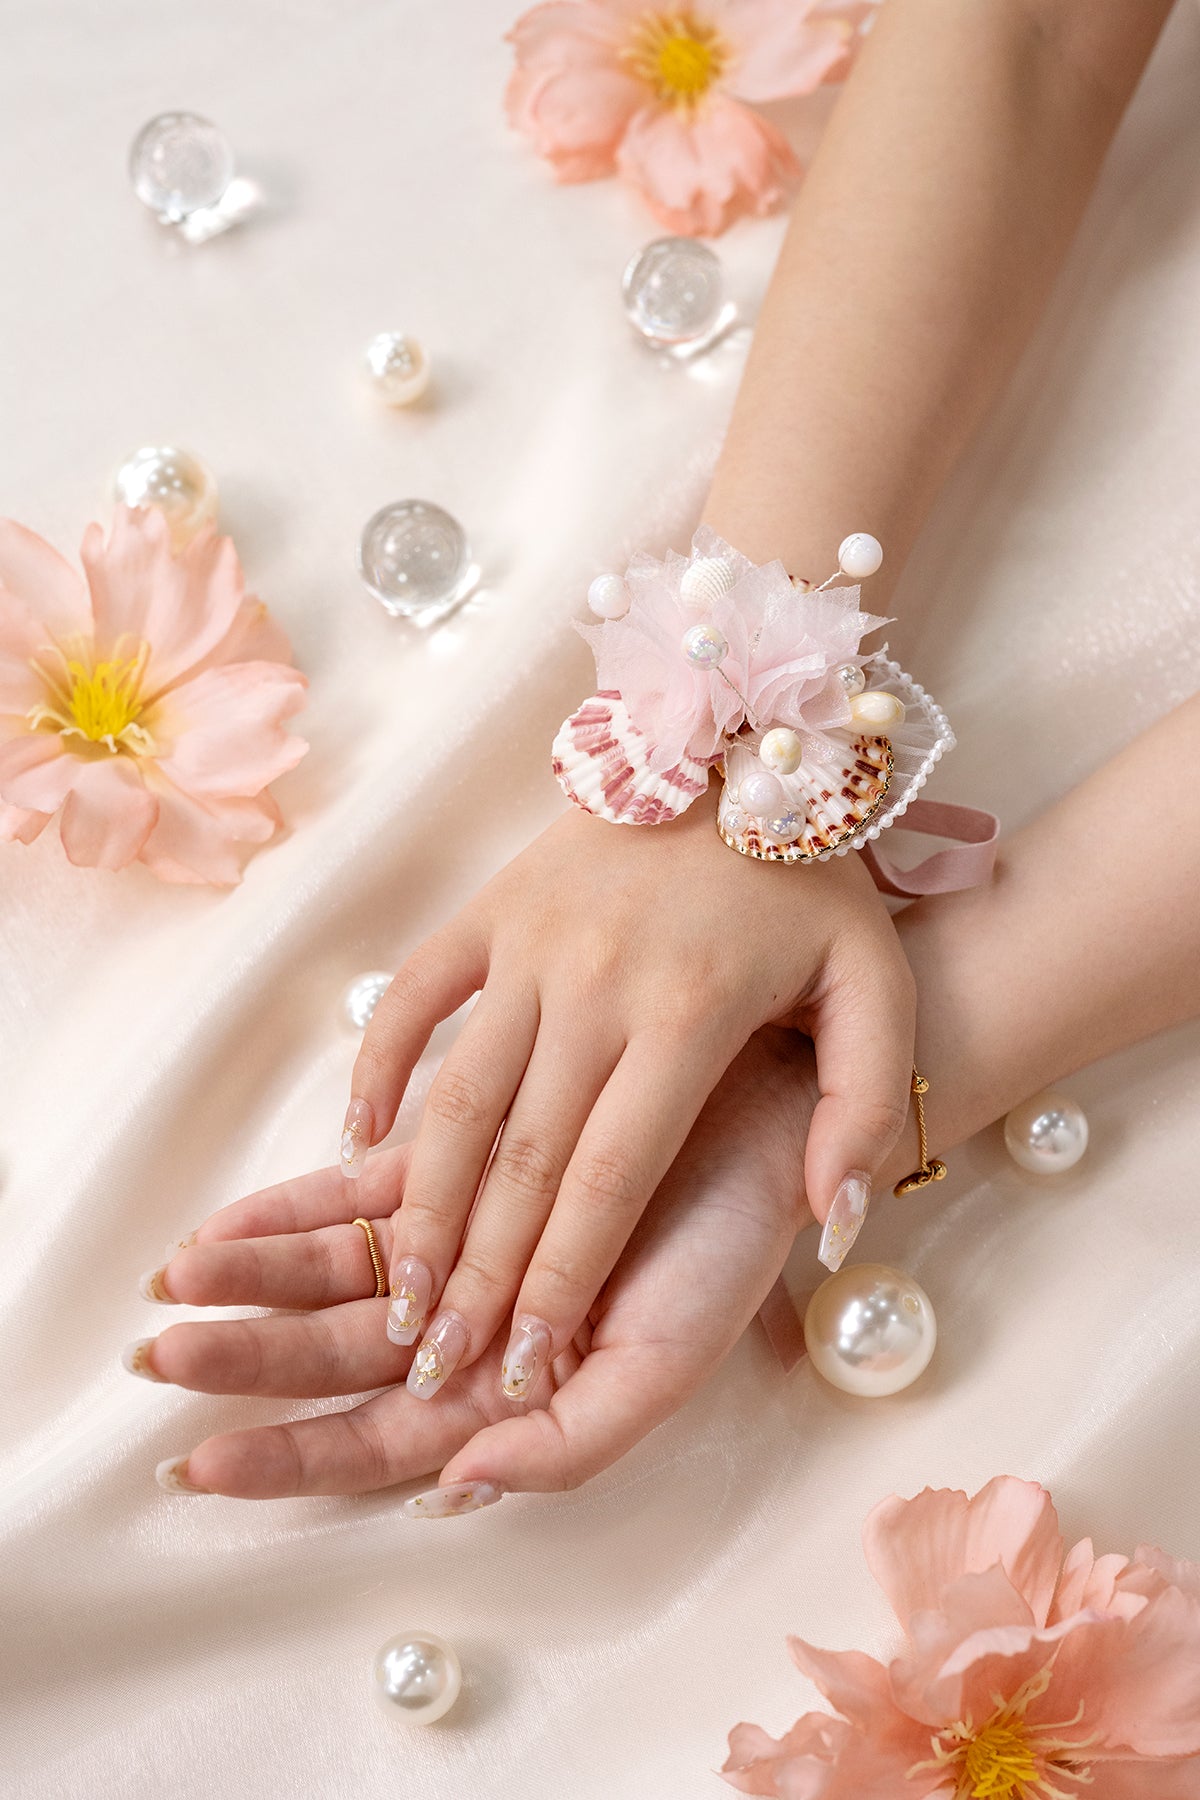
{"x":476,"y":1280}
{"x":371,"y":1458}
{"x":559,"y":1280}
{"x":883,"y":1120}
{"x":456,"y":1098}
{"x":525,"y":1164}
{"x":606,"y":1184}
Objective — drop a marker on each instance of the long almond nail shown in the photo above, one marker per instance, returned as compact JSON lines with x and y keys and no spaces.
{"x":439,"y":1355}
{"x":412,"y":1287}
{"x":845,"y":1220}
{"x":357,"y":1132}
{"x":150,"y":1287}
{"x":173,"y":1476}
{"x":449,"y":1502}
{"x":528,"y":1348}
{"x":134,"y":1358}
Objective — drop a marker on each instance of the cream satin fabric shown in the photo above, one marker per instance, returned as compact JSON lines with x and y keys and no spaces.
{"x":164,"y":1050}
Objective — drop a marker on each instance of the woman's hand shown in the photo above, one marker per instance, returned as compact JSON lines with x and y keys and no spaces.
{"x":699,"y":1266}
{"x":620,"y":970}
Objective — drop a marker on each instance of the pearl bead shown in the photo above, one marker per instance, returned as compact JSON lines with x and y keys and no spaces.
{"x":674,"y":294}
{"x":705,"y":581}
{"x":876,"y":707}
{"x":398,"y":367}
{"x":363,"y":996}
{"x":870,"y":1330}
{"x":180,"y":164}
{"x":781,"y":751}
{"x":418,"y":1675}
{"x":704,"y":647}
{"x":852,"y":678}
{"x":860,"y":555}
{"x":1046,"y":1134}
{"x":760,"y":794}
{"x":416,"y":561}
{"x":174,"y":481}
{"x":608,"y":597}
{"x":785,"y":827}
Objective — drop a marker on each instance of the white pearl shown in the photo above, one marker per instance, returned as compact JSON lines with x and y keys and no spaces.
{"x":860,"y":555}
{"x":852,"y":678}
{"x":180,"y":164}
{"x":363,"y":996}
{"x":785,"y":827}
{"x":781,"y":751}
{"x":876,"y":707}
{"x":1046,"y":1134}
{"x":608,"y":597}
{"x":174,"y":481}
{"x":704,"y":646}
{"x":705,"y":581}
{"x":419,"y":1675}
{"x":399,"y":367}
{"x":760,"y":794}
{"x":870,"y":1330}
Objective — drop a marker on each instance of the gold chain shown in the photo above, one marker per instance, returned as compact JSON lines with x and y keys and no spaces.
{"x":373,"y":1247}
{"x":928,"y":1171}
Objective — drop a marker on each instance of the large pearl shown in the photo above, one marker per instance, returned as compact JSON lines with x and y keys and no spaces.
{"x":174,"y":481}
{"x":860,"y":555}
{"x":1046,"y":1134}
{"x":870,"y":1330}
{"x":398,"y":367}
{"x":876,"y":708}
{"x":674,"y":294}
{"x":180,"y":164}
{"x":363,"y":996}
{"x":760,"y":794}
{"x":704,"y":647}
{"x":415,"y":559}
{"x":608,"y":597}
{"x":781,"y":751}
{"x":419,"y":1675}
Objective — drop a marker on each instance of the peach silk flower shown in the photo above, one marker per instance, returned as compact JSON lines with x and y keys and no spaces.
{"x":1025,"y":1676}
{"x":656,"y":94}
{"x":144,"y":705}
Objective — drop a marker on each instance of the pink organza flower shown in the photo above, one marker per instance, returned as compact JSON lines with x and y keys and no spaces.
{"x":145,"y":706}
{"x":784,"y":648}
{"x":1025,"y":1676}
{"x":656,"y":92}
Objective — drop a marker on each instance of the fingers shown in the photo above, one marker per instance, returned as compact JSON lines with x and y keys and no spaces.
{"x":561,"y":1084}
{"x":863,"y":1038}
{"x":341,"y":1351}
{"x":326,"y":1266}
{"x":463,"y":1114}
{"x":433,"y":983}
{"x":310,"y":1201}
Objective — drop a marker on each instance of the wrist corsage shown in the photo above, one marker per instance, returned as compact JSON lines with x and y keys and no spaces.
{"x":711,"y":661}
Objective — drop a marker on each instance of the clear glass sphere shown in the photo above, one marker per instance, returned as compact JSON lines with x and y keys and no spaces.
{"x":674,"y":293}
{"x":418,"y":1675}
{"x":415,"y":559}
{"x":179,"y":164}
{"x":398,"y":367}
{"x":175,"y":481}
{"x":363,"y":996}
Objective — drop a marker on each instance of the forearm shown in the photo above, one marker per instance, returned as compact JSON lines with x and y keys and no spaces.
{"x":1087,"y":941}
{"x":923,"y":244}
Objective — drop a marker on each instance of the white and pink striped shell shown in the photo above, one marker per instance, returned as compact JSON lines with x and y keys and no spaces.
{"x":602,"y":763}
{"x":836,"y":799}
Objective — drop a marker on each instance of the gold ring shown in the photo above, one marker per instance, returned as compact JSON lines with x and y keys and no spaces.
{"x":376,"y":1264}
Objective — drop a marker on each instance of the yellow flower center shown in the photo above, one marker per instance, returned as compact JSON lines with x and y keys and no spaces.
{"x":99,"y":702}
{"x":679,"y":56}
{"x":1011,"y":1758}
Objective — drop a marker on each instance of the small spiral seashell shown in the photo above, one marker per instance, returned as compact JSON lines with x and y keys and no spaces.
{"x":704,"y":581}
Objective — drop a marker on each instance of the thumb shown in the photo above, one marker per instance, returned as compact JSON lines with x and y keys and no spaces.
{"x":863,"y":1036}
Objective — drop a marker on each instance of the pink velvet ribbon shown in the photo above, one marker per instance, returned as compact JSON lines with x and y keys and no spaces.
{"x":968,"y":862}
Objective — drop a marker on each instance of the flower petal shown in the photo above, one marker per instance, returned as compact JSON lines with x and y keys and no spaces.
{"x":181,"y":606}
{"x":574,"y":117}
{"x":1149,"y":1779}
{"x":48,"y":589}
{"x":698,"y":174}
{"x":221,"y":734}
{"x":1140,"y":1677}
{"x":254,"y":636}
{"x":780,"y":51}
{"x":1088,"y":1582}
{"x":797,"y":1765}
{"x":108,"y":814}
{"x":37,"y":772}
{"x":196,"y":841}
{"x":562,"y":34}
{"x":916,"y":1548}
{"x":19,"y":826}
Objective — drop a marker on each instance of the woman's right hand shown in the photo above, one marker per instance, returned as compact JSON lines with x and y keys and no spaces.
{"x":697,"y":1269}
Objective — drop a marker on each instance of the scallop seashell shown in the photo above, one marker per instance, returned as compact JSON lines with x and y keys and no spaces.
{"x":602,"y":763}
{"x":705,"y":580}
{"x":837,"y":799}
